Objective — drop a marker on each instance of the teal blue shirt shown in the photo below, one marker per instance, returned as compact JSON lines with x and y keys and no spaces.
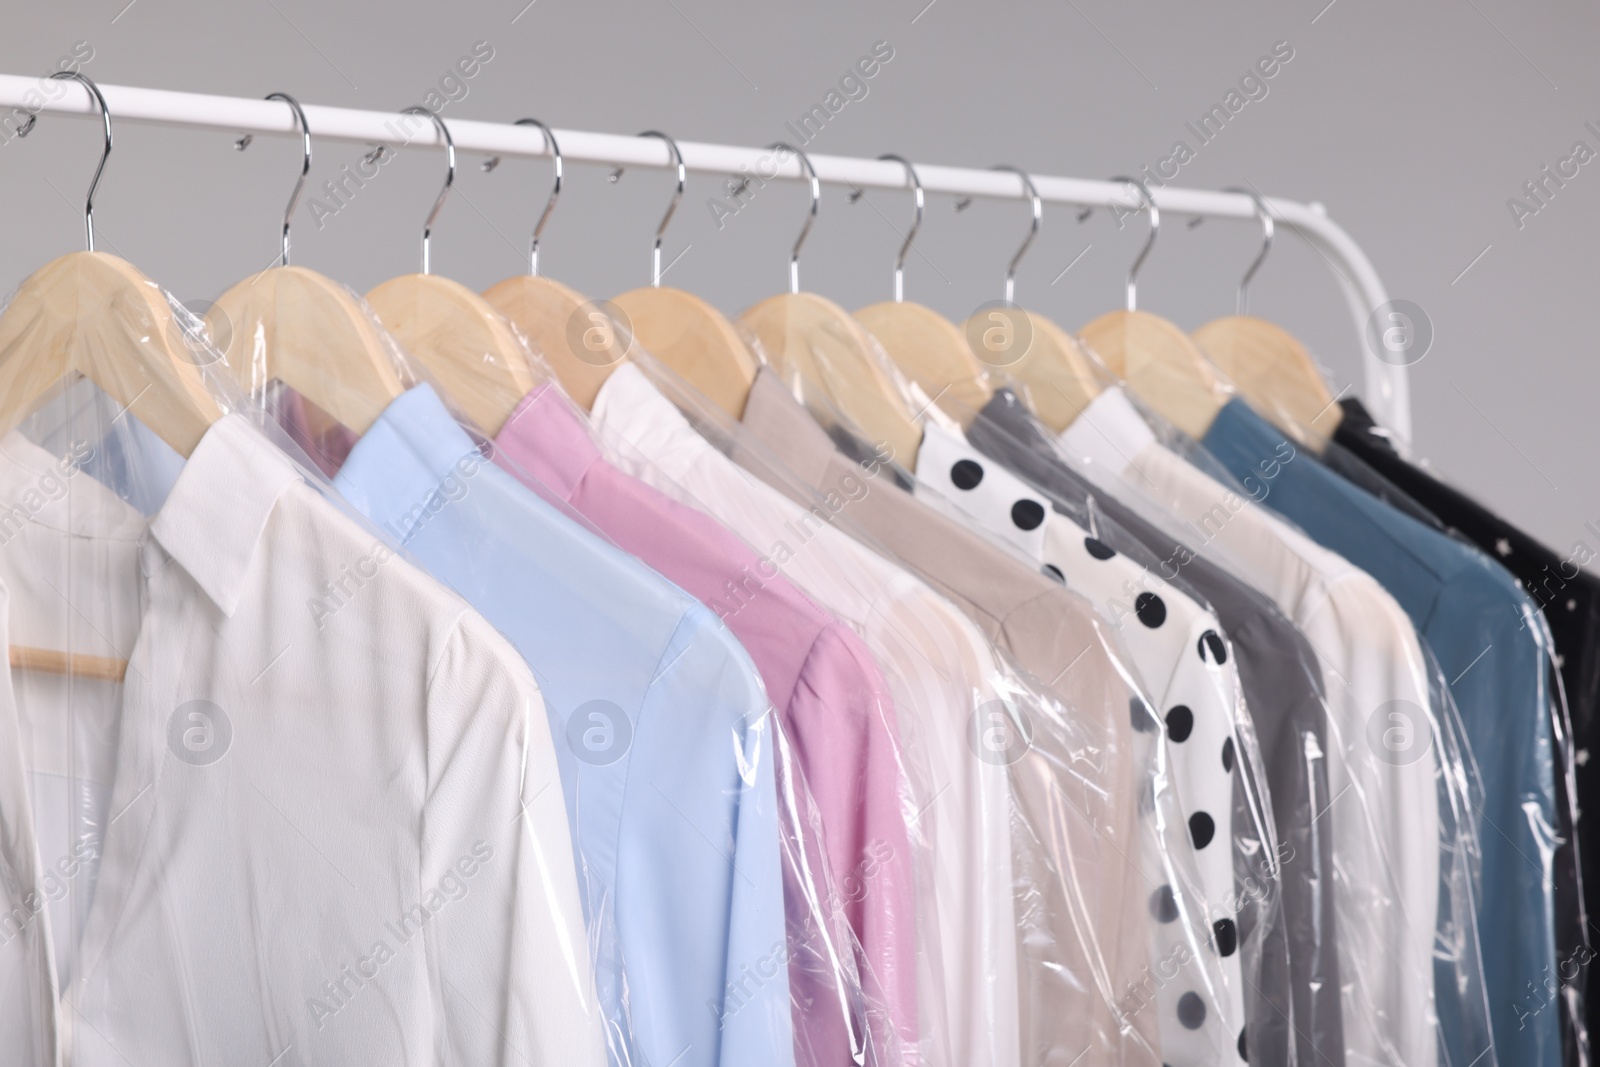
{"x":1485,"y":633}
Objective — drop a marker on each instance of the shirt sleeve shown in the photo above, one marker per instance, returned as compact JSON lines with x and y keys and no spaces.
{"x":706,"y":952}
{"x":755,"y":1020}
{"x":504,"y":930}
{"x":1384,"y":809}
{"x":1197,"y":709}
{"x":1505,"y":693}
{"x":841,"y":724}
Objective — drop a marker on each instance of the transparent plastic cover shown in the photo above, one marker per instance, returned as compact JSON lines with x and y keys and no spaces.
{"x":1401,"y":779}
{"x":1104,"y":916}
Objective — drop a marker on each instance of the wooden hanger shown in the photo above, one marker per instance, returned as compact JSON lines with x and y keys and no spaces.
{"x":468,"y":347}
{"x":683,"y":331}
{"x":1268,"y":365}
{"x":77,"y":664}
{"x":94,"y":314}
{"x":931,"y":351}
{"x":580,"y":349}
{"x":811,"y":336}
{"x":927,"y":347}
{"x":1155,"y":357}
{"x":1057,"y":378}
{"x":306,"y":330}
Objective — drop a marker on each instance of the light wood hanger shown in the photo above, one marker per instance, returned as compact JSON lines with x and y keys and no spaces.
{"x":811,"y":336}
{"x":575,"y":334}
{"x":927,"y":347}
{"x":468,"y":347}
{"x":77,"y":664}
{"x":682,"y":330}
{"x":1058,"y":378}
{"x":306,"y":330}
{"x":1268,"y":365}
{"x":1155,"y":357}
{"x":94,"y":314}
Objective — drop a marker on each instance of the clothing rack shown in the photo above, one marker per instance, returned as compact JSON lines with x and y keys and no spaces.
{"x":1387,"y":388}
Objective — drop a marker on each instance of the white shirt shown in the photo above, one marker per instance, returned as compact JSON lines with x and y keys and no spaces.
{"x":320,"y":822}
{"x":934,"y":660}
{"x":1178,"y":648}
{"x":1384,"y":802}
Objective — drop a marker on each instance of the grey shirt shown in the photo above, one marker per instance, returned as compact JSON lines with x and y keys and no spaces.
{"x":1282,"y":684}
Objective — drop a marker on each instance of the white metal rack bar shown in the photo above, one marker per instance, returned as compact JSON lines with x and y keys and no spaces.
{"x":1386,"y":391}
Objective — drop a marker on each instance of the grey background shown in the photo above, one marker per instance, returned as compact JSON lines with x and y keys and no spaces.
{"x":1414,"y":123}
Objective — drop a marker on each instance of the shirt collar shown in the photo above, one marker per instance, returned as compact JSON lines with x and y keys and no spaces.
{"x":969,"y":487}
{"x":1006,"y":410}
{"x":213,"y":518}
{"x":1007,"y":430}
{"x":55,"y":491}
{"x":1108,"y":433}
{"x":810,"y":450}
{"x":547,"y":438}
{"x":955,"y":560}
{"x":633,"y":410}
{"x":1238,"y":422}
{"x":1359,"y":425}
{"x":414,"y":456}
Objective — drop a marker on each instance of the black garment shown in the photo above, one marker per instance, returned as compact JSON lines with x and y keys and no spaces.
{"x":1359,"y":473}
{"x":1283,"y":695}
{"x":1570,"y":600}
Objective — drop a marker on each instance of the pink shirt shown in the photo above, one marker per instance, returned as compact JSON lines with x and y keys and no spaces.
{"x":834,"y":703}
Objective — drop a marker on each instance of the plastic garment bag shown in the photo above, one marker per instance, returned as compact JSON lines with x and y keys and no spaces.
{"x":270,"y":792}
{"x":1569,"y":600}
{"x":1094,"y":835}
{"x":1495,"y":648}
{"x":1401,"y":778}
{"x":1191,"y":663}
{"x":1296,"y":998}
{"x":1497,"y":653}
{"x":1184,"y":662}
{"x":966,"y":927}
{"x":852,"y":745}
{"x":710,"y":953}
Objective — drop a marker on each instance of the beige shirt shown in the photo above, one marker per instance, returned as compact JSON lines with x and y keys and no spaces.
{"x":1077,"y":787}
{"x":319,"y":822}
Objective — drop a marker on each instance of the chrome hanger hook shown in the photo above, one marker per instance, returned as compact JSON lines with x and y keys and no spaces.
{"x":449,"y":177}
{"x":555,"y":192}
{"x":677,"y":197}
{"x":305,"y":168}
{"x":1268,"y":230}
{"x":1033,"y":231}
{"x":1149,"y":243}
{"x":94,"y":183}
{"x":916,"y":224}
{"x":811,"y":216}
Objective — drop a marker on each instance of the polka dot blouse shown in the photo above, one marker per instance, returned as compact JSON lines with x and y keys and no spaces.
{"x":1179,"y":651}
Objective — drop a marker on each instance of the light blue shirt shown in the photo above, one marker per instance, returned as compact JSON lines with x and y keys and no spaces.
{"x":661,"y":727}
{"x":1484,"y":632}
